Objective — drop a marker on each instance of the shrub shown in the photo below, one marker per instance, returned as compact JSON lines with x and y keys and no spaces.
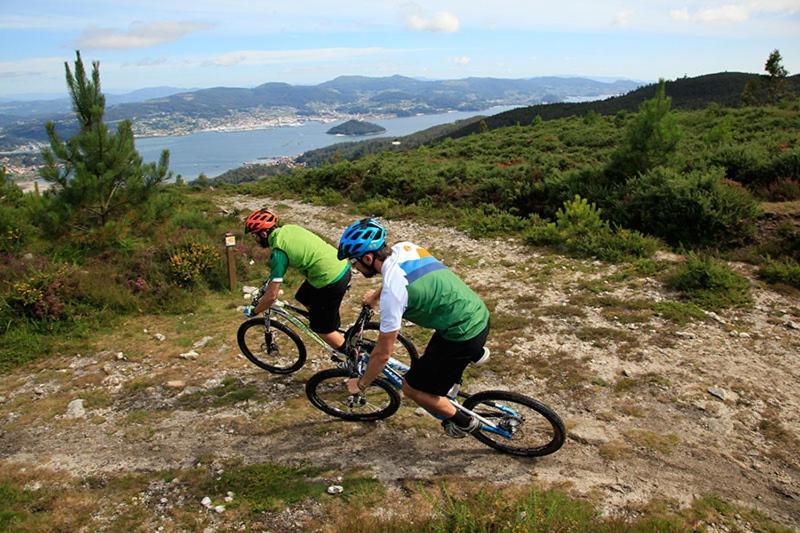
{"x":193,"y":219}
{"x":489,"y":221}
{"x":192,"y":263}
{"x":781,"y":190}
{"x":741,"y":162}
{"x":709,"y":283}
{"x":11,"y":231}
{"x":695,"y":208}
{"x":786,"y":271}
{"x":580,"y":230}
{"x":41,"y":296}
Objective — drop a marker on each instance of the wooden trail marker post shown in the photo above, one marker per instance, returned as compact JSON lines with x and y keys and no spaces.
{"x":230,"y":242}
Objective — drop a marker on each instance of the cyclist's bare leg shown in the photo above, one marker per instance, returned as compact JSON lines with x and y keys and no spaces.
{"x":430,"y":402}
{"x":334,"y":339}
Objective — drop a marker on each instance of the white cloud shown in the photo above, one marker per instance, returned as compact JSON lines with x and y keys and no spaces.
{"x":726,"y":13}
{"x":680,"y":14}
{"x":441,"y":21}
{"x":462,"y":60}
{"x":623,"y":17}
{"x":140,"y":35}
{"x":790,"y":7}
{"x":268,"y":57}
{"x":147,"y":62}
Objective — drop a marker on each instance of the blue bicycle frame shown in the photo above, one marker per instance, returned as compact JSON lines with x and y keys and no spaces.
{"x":394,"y":372}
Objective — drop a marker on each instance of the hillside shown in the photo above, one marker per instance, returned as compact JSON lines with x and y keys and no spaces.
{"x":674,"y":422}
{"x":724,"y":88}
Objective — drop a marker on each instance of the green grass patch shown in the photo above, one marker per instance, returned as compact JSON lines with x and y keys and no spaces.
{"x":272,"y":487}
{"x":13,"y":506}
{"x":231,"y":391}
{"x":709,"y":283}
{"x":601,"y":336}
{"x":679,"y":312}
{"x":786,"y":272}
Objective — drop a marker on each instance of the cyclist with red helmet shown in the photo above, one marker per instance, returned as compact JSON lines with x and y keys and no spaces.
{"x":419,"y":288}
{"x":326,"y":276}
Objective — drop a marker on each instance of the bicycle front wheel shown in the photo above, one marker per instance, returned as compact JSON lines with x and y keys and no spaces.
{"x":524,"y":426}
{"x":279,"y":350}
{"x":327,"y":391}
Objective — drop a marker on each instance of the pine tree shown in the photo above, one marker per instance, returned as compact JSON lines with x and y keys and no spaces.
{"x":97,"y":175}
{"x":650,"y":141}
{"x":777,"y":76}
{"x":774,"y":65}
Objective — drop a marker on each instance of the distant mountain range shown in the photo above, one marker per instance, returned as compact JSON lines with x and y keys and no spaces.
{"x":48,"y":107}
{"x":271,"y":103}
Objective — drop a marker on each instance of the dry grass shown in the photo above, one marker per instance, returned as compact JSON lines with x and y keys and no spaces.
{"x":662,"y":443}
{"x":614,"y":450}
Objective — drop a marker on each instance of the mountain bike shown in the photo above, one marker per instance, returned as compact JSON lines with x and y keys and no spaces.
{"x":510,"y":422}
{"x":272,"y":343}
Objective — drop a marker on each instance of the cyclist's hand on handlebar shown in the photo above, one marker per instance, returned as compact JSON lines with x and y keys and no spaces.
{"x":249,"y":311}
{"x":352,"y":386}
{"x":372,"y":298}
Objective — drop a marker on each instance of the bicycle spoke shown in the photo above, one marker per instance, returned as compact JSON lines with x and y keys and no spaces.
{"x":280,"y":352}
{"x":327,"y":391}
{"x":520,"y":425}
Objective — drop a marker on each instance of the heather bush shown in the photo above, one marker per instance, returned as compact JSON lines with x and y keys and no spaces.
{"x":41,"y":296}
{"x":695,"y":208}
{"x":781,"y":190}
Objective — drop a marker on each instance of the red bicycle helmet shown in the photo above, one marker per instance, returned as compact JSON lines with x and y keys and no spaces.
{"x":260,"y":221}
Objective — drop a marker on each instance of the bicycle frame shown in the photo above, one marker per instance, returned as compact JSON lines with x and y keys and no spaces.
{"x":283,"y":310}
{"x":394,"y":372}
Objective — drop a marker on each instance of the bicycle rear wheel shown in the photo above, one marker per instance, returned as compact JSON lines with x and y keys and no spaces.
{"x":327,"y":392}
{"x":280,"y":351}
{"x":534,"y":428}
{"x":405,"y":353}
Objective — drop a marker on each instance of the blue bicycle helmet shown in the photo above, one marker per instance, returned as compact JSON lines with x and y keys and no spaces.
{"x":361,"y":237}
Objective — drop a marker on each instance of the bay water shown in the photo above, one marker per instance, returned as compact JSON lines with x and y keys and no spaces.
{"x":214,"y":152}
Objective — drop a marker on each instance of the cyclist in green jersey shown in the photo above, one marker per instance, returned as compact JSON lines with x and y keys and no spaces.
{"x":419,"y":288}
{"x":326,"y":276}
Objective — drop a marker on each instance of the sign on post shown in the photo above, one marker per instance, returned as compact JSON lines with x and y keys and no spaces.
{"x":230,"y":242}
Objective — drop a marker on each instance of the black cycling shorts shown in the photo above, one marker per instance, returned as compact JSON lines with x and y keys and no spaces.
{"x":323,"y":303}
{"x":443,"y":362}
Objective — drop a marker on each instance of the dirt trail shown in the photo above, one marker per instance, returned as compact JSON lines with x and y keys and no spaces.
{"x":654,"y":409}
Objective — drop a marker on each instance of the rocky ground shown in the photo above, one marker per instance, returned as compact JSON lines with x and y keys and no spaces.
{"x":657,"y":407}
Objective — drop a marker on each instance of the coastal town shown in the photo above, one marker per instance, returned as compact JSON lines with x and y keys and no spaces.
{"x":24,"y":162}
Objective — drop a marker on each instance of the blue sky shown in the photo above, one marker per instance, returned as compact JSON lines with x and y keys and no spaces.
{"x":243,"y":43}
